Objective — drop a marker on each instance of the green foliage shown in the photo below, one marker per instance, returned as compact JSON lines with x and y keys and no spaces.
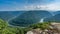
{"x":40,"y":25}
{"x":3,"y":24}
{"x":6,"y":29}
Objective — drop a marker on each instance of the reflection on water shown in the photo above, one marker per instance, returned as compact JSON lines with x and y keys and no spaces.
{"x":42,"y":20}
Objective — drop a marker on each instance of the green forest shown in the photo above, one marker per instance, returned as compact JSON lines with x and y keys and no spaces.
{"x":6,"y":29}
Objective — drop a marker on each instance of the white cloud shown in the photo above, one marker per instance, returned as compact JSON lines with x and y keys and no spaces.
{"x":53,"y":7}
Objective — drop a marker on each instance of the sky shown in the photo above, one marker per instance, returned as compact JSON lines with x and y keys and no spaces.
{"x":17,"y":5}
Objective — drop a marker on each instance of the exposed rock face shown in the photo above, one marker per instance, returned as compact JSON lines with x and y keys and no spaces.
{"x":29,"y":32}
{"x":56,"y":25}
{"x":55,"y":30}
{"x":34,"y":31}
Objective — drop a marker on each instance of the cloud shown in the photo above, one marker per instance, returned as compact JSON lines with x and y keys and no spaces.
{"x":53,"y":7}
{"x":49,"y":7}
{"x":15,"y":5}
{"x":7,"y":5}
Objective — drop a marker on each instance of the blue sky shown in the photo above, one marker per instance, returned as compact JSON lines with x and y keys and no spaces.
{"x":16,"y":5}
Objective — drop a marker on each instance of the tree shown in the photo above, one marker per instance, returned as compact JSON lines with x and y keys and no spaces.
{"x":42,"y":26}
{"x":3,"y":25}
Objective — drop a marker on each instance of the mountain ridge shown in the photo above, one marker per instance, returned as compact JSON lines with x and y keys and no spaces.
{"x":30,"y":17}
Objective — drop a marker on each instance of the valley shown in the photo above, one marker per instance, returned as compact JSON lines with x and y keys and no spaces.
{"x":26,"y":22}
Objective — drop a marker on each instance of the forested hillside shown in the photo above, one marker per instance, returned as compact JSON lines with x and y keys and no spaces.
{"x":6,"y":29}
